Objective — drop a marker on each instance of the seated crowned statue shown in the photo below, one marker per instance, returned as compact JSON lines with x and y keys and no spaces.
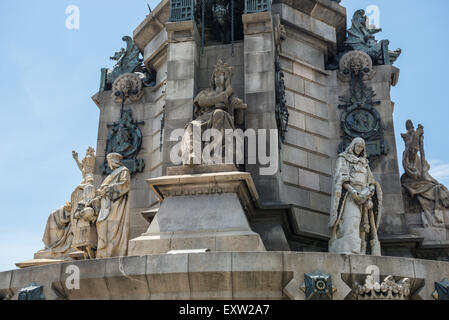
{"x":215,"y":108}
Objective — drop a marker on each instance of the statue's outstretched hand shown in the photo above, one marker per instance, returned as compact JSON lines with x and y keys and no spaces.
{"x":75,"y":155}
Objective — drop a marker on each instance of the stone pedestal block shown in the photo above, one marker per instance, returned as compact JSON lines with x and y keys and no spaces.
{"x":200,"y":211}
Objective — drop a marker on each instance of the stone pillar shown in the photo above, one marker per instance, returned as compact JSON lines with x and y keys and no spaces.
{"x":311,"y":33}
{"x":386,"y":171}
{"x":140,"y":199}
{"x":182,"y":79}
{"x":260,"y":96}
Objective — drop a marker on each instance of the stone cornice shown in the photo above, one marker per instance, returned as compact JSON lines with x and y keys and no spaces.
{"x":326,"y":11}
{"x":152,"y":25}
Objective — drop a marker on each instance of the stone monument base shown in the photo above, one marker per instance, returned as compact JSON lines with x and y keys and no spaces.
{"x":220,"y":275}
{"x":201,"y":211}
{"x":430,"y":233}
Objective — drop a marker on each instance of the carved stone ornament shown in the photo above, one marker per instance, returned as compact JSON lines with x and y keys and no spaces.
{"x":356,"y":60}
{"x":124,"y":138}
{"x":388,"y":289}
{"x":360,"y":118}
{"x":441,"y":290}
{"x":127,"y":87}
{"x":318,"y":286}
{"x":32,"y":292}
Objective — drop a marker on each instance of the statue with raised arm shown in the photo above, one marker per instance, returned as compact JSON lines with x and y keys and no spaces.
{"x":356,"y":203}
{"x":63,"y":231}
{"x":214,"y":108}
{"x":361,"y":38}
{"x":87,"y":165}
{"x":422,"y":193}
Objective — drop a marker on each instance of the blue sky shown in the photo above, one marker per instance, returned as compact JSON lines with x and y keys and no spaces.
{"x":49,"y":74}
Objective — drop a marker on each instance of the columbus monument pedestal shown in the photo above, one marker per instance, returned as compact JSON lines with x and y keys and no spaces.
{"x":201,"y":211}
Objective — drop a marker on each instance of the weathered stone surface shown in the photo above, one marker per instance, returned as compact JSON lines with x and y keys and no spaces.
{"x":222,"y":275}
{"x":358,"y":218}
{"x":191,"y":215}
{"x":210,"y":276}
{"x":168,"y":276}
{"x":5,"y":285}
{"x":264,"y":284}
{"x":126,"y":279}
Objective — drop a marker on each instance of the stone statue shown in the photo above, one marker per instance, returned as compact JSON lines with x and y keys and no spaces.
{"x":83,"y":221}
{"x":361,"y":38}
{"x":112,"y":199}
{"x":215,"y":108}
{"x":388,"y":289}
{"x":423,"y":193}
{"x":87,"y":165}
{"x":61,"y":227}
{"x":356,"y":203}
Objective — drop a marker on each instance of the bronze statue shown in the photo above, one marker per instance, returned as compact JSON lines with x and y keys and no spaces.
{"x":361,"y":38}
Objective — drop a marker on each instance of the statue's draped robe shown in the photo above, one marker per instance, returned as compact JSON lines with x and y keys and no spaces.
{"x":433,"y":197}
{"x":346,"y":215}
{"x":209,"y":117}
{"x":84,"y":231}
{"x":57,"y":236}
{"x":113,"y":220}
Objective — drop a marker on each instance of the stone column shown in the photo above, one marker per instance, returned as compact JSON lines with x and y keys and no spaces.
{"x":386,"y":171}
{"x":260,"y":96}
{"x":182,"y":79}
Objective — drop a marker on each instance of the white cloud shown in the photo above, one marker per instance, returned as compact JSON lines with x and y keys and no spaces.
{"x":440,"y":170}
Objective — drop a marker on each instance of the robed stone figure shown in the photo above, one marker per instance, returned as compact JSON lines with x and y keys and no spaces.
{"x":356,"y":203}
{"x":113,"y":217}
{"x":216,"y":108}
{"x":61,"y":228}
{"x":423,"y":194}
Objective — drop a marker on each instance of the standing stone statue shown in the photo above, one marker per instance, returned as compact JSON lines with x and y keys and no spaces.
{"x":215,"y":108}
{"x":113,"y":217}
{"x":59,"y":231}
{"x":356,"y":203}
{"x":422,"y":193}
